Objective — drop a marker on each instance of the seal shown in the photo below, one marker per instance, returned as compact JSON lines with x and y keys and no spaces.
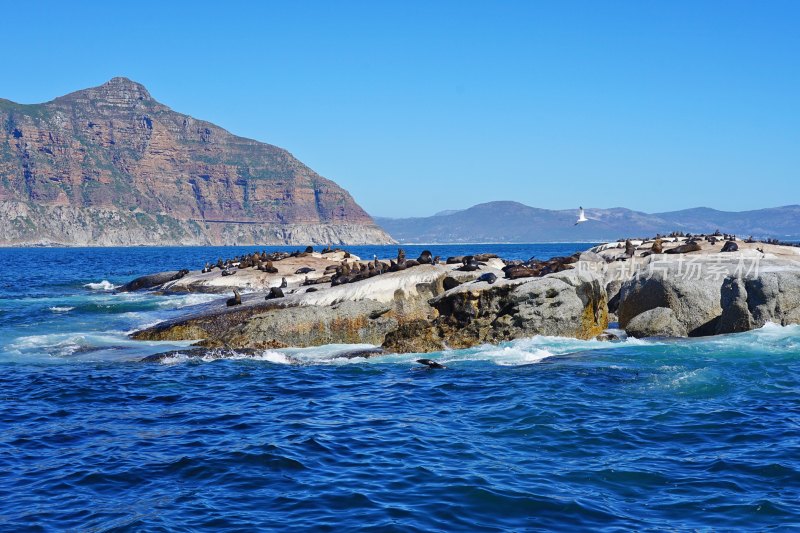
{"x":470,"y":264}
{"x":488,"y":277}
{"x":284,"y":284}
{"x":228,"y":272}
{"x":730,"y":246}
{"x":425,"y":258}
{"x":274,"y":292}
{"x":236,"y":300}
{"x":691,"y":246}
{"x":304,"y":270}
{"x":657,"y":247}
{"x":520,"y":271}
{"x":630,"y":249}
{"x":430,"y":363}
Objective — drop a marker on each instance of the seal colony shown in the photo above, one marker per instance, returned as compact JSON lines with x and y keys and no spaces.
{"x":425,"y":304}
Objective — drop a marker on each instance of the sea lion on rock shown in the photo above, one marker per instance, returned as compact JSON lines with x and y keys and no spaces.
{"x":691,"y":246}
{"x":317,"y":281}
{"x":304,"y":270}
{"x":630,"y":249}
{"x":455,"y":260}
{"x":236,"y":300}
{"x":284,"y":283}
{"x":520,"y":271}
{"x":395,"y":267}
{"x":488,"y":277}
{"x":730,"y":246}
{"x":425,"y":258}
{"x":469,"y":264}
{"x":228,"y":271}
{"x":657,"y":247}
{"x":274,"y":292}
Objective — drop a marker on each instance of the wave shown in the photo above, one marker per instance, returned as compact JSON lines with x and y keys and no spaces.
{"x":214,"y":355}
{"x":90,"y":346}
{"x":618,"y":355}
{"x":104,"y":285}
{"x":60,"y":309}
{"x":519,"y":352}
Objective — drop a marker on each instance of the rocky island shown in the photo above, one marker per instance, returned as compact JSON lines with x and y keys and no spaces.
{"x":679,"y":286}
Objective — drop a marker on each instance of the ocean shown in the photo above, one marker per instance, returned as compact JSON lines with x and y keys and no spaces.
{"x":536,"y":434}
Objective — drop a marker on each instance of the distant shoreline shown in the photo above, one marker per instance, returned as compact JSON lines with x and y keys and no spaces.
{"x":67,"y":247}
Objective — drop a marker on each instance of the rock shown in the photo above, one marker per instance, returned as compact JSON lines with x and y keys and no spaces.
{"x":658,"y":322}
{"x":695,"y":302}
{"x":735,"y":315}
{"x":570,"y":304}
{"x":343,"y":323}
{"x":417,"y":336}
{"x":152,"y":281}
{"x":716,"y":294}
{"x":612,"y":290}
{"x":450,"y":283}
{"x":612,"y":335}
{"x":774,"y":296}
{"x":362,"y":312}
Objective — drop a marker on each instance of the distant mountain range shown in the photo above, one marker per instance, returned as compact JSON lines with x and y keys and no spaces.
{"x":500,"y":222}
{"x":110,"y":165}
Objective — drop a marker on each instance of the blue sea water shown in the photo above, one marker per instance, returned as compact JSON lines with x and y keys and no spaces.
{"x":536,"y":434}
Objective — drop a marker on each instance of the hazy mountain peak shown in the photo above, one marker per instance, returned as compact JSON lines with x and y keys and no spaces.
{"x":509,"y":221}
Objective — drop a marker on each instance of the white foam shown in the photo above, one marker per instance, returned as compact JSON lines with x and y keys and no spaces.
{"x":63,"y":309}
{"x":186,"y":300}
{"x":214,"y":355}
{"x":107,"y":345}
{"x":104,"y":285}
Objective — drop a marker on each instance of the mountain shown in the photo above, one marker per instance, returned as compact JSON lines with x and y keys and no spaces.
{"x":112,"y":166}
{"x":515,"y":222}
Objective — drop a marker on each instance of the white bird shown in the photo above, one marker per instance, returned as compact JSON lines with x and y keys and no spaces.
{"x":581,"y":217}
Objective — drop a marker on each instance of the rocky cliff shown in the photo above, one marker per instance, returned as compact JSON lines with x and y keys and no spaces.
{"x":112,"y":166}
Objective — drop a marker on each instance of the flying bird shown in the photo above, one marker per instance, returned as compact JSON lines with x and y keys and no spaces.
{"x":581,"y":217}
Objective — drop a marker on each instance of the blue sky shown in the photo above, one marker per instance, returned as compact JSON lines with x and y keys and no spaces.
{"x":416,"y":107}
